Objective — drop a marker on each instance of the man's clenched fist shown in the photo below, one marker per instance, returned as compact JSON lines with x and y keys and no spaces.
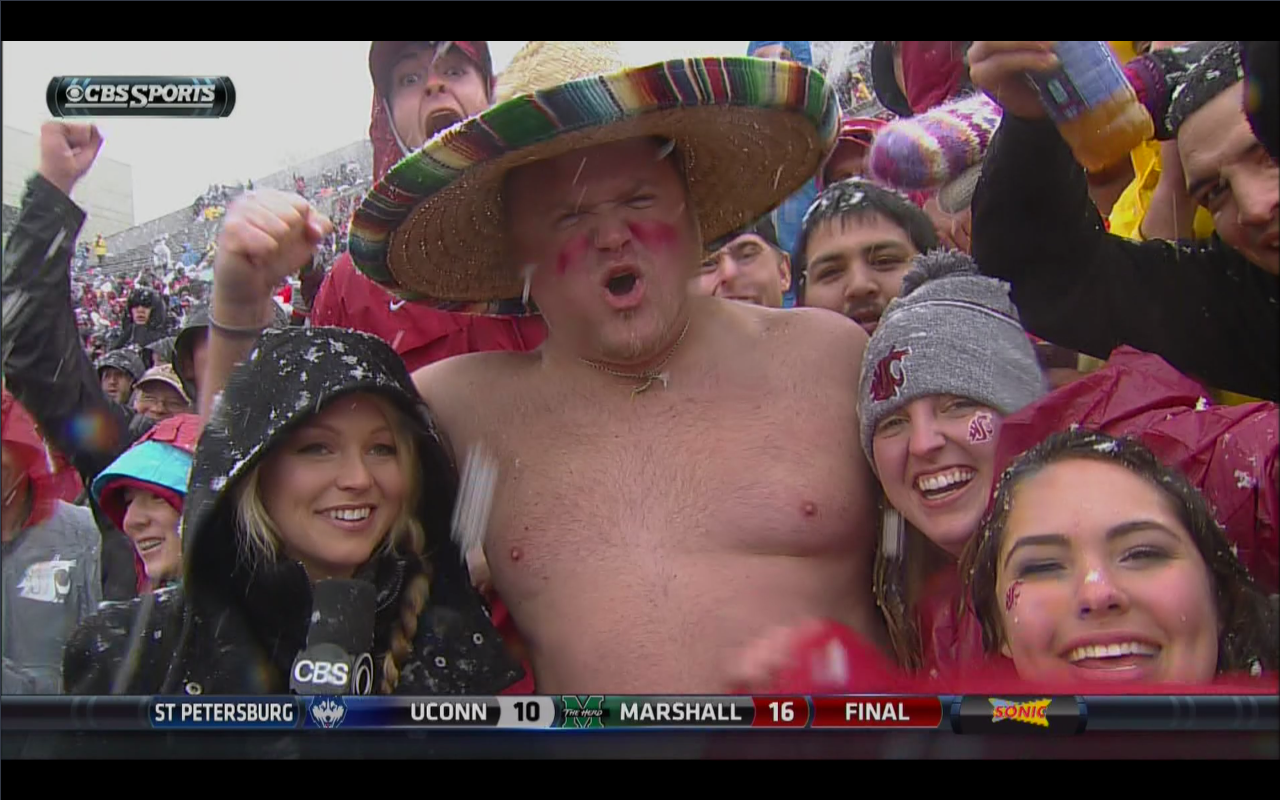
{"x":266,"y":237}
{"x":67,"y":150}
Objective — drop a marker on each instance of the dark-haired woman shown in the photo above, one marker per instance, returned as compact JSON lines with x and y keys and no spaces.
{"x":1100,"y":564}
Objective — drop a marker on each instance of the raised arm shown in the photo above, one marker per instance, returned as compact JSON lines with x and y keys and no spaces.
{"x":45,"y":365}
{"x":1200,"y":306}
{"x":266,"y":237}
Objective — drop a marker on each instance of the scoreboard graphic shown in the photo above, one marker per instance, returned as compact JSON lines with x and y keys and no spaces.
{"x":981,"y":715}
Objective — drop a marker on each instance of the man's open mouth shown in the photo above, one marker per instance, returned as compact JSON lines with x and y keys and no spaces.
{"x":441,"y":120}
{"x":621,"y":284}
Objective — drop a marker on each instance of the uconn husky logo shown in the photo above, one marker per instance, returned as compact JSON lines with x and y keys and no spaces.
{"x":328,"y":712}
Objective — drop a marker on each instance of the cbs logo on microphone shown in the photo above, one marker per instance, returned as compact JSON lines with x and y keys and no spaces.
{"x":336,"y":674}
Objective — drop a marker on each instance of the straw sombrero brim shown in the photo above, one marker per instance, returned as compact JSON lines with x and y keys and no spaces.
{"x":749,"y":133}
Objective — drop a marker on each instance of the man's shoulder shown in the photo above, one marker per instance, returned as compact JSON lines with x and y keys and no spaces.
{"x":816,"y":329}
{"x":77,"y":519}
{"x":69,"y":529}
{"x":464,"y":373}
{"x":811,"y":340}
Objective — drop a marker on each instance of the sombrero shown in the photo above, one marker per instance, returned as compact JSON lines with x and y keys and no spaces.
{"x":542,"y":65}
{"x":749,"y":133}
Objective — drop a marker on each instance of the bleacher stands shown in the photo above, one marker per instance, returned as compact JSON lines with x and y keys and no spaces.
{"x":129,"y":251}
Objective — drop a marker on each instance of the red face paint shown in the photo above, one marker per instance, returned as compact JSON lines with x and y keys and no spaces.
{"x":654,"y":236}
{"x":571,"y":254}
{"x":1011,"y":596}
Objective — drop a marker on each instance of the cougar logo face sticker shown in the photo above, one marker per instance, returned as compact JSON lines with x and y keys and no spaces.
{"x":981,"y":428}
{"x":890,"y":375}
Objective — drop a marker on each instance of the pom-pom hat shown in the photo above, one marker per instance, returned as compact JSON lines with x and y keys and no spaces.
{"x":748,"y":133}
{"x":951,"y":331}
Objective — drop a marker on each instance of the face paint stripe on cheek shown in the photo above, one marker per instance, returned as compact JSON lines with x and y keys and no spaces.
{"x":654,"y":235}
{"x":571,"y":254}
{"x":1011,"y":596}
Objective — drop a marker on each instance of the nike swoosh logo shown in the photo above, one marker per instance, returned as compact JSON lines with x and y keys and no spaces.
{"x":395,"y":306}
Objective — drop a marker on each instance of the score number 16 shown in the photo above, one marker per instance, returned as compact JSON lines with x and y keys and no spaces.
{"x":781,"y":712}
{"x":784,"y":711}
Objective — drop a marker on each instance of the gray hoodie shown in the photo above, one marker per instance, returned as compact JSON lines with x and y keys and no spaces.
{"x":52,"y":581}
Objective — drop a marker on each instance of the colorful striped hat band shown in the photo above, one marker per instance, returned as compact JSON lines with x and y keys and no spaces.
{"x":749,"y":132}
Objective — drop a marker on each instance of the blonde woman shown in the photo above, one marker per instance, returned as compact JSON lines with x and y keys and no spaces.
{"x":318,"y":461}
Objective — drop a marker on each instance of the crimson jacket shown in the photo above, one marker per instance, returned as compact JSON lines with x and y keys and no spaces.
{"x":1228,"y":452}
{"x":864,"y":670}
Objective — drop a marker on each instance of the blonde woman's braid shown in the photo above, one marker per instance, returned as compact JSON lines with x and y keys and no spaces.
{"x":415,"y":599}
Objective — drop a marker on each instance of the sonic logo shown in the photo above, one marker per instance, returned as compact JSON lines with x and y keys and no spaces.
{"x":1033,"y":712}
{"x":887,"y":381}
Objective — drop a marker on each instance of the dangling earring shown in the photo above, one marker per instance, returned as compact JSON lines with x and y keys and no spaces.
{"x":528,"y":283}
{"x":8,"y":498}
{"x":892,"y":532}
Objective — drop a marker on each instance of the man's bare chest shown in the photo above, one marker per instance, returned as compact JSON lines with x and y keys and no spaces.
{"x":696,"y":475}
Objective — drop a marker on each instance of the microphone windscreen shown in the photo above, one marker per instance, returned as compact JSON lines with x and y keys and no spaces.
{"x":342,"y":613}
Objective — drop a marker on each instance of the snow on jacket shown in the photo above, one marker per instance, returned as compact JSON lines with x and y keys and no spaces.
{"x":1229,"y":453}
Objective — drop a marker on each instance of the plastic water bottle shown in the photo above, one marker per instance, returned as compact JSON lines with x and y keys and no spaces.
{"x":1093,"y":105}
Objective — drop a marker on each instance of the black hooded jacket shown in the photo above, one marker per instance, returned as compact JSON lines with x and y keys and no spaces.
{"x":47,"y":368}
{"x":233,"y":628}
{"x":140,"y":336}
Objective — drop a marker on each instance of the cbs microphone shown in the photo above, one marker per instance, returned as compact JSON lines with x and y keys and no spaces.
{"x":337,"y":657}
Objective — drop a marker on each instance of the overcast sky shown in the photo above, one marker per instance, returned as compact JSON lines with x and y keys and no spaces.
{"x":294,"y":100}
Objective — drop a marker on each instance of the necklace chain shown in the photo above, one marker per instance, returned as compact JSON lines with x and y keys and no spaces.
{"x":644,"y":379}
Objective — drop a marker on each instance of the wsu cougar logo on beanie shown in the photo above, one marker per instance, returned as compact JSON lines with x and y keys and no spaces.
{"x":886,"y":381}
{"x":951,"y":331}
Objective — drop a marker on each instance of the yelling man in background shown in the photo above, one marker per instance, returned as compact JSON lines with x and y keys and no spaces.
{"x":420,"y":89}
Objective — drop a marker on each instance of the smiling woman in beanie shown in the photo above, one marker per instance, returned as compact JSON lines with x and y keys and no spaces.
{"x":948,"y":361}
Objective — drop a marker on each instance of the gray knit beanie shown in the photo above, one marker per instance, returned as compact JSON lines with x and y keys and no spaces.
{"x":950,"y":331}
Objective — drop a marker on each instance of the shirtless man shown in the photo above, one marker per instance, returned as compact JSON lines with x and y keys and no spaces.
{"x":643,"y":530}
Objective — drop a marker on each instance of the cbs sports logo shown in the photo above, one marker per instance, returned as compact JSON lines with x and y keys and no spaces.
{"x":140,"y":96}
